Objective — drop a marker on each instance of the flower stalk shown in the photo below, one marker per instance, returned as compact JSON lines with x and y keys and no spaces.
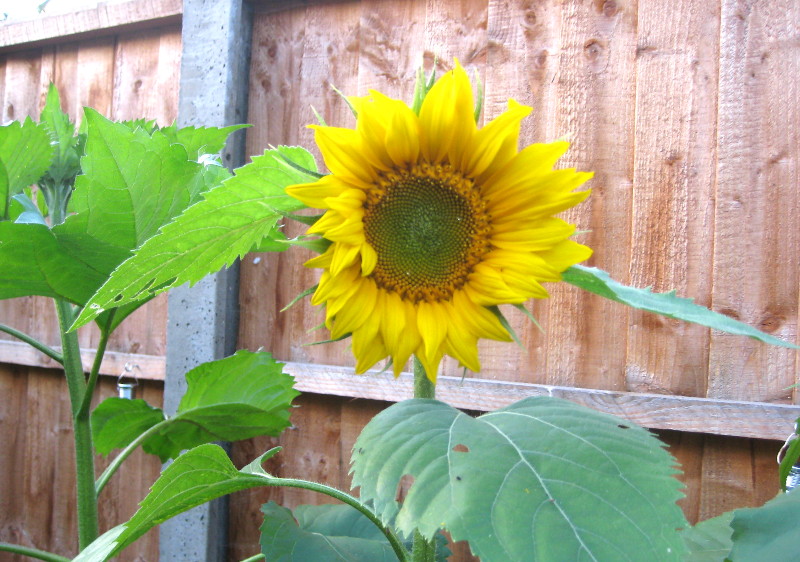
{"x":82,"y":432}
{"x":422,"y":550}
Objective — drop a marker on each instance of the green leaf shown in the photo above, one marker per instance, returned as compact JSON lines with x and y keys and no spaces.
{"x":769,"y":532}
{"x":330,"y":533}
{"x":235,"y":398}
{"x":34,"y":262}
{"x":25,"y":153}
{"x":600,"y":283}
{"x":200,"y":140}
{"x":132,"y":183}
{"x":194,"y":478}
{"x":542,"y":479}
{"x":709,"y":540}
{"x":116,"y":422}
{"x":211,"y":234}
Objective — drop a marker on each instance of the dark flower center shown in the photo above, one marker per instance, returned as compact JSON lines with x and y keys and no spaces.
{"x":429,"y":227}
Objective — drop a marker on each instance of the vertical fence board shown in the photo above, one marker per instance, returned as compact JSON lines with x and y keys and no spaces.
{"x":674,"y":189}
{"x":594,"y":106}
{"x":757,"y":240}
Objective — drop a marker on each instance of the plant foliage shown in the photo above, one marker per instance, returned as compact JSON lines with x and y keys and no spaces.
{"x":234,"y":398}
{"x":542,"y":479}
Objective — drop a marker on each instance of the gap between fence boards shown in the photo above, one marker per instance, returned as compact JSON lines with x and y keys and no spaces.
{"x":656,"y":411}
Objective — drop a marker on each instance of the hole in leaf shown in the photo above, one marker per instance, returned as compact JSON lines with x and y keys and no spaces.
{"x":458,"y":478}
{"x":623,"y":426}
{"x":403,"y":486}
{"x":118,"y":298}
{"x":461,"y":448}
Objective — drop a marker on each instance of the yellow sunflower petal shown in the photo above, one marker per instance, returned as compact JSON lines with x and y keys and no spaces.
{"x":432,"y":325}
{"x":490,"y":145}
{"x":402,"y":137}
{"x":566,"y":254}
{"x":344,"y":255}
{"x":314,"y":194}
{"x":446,"y":119}
{"x":464,"y":348}
{"x":368,"y":345}
{"x":430,"y":360}
{"x":409,"y":339}
{"x":372,"y":127}
{"x":323,"y":260}
{"x":369,"y":259}
{"x":358,"y":310}
{"x":477,"y":319}
{"x":341,"y":150}
{"x":525,"y":167}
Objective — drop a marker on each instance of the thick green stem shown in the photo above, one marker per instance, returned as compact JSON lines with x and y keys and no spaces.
{"x":84,"y":453}
{"x":124,"y":454}
{"x":32,"y":552}
{"x":423,"y":387}
{"x":397,"y":546}
{"x":423,"y":550}
{"x":49,"y":351}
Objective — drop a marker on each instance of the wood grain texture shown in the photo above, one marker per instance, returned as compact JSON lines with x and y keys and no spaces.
{"x":756,"y":236}
{"x":102,"y":20}
{"x":38,"y":478}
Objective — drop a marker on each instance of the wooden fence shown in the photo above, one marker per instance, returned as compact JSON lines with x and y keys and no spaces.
{"x":686,"y":112}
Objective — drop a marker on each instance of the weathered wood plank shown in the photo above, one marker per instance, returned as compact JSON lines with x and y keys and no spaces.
{"x":721,"y":417}
{"x":673,"y":193}
{"x":150,"y":367}
{"x":756,"y":235}
{"x":146,"y":70}
{"x":104,"y":19}
{"x":592,"y":95}
{"x":657,"y":411}
{"x":38,"y":480}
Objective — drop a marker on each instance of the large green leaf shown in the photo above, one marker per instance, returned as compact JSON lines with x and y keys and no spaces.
{"x":25,"y":153}
{"x":235,"y":398}
{"x":34,"y":262}
{"x":669,"y":304}
{"x":709,"y":540}
{"x":210,"y":234}
{"x":542,"y":479}
{"x":194,"y":478}
{"x":331,"y":533}
{"x":132,"y":183}
{"x":770,"y":532}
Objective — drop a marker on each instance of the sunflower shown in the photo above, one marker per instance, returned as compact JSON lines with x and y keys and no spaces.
{"x":433,"y":223}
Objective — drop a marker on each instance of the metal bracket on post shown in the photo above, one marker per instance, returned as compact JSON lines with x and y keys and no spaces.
{"x":203,"y":320}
